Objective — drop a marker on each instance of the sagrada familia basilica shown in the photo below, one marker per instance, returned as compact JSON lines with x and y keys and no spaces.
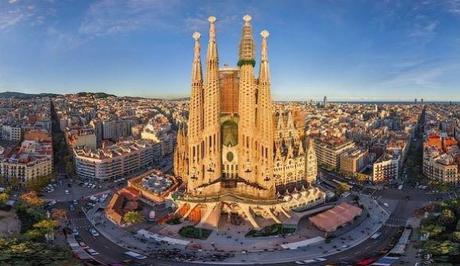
{"x":238,"y":155}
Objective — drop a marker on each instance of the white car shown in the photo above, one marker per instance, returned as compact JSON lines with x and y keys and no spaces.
{"x":93,"y":232}
{"x":67,"y":192}
{"x":303,"y":262}
{"x":92,"y":252}
{"x":135,"y":255}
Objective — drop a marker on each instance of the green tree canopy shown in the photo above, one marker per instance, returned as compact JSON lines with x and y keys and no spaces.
{"x":456,"y":236}
{"x":133,"y":217}
{"x":441,"y":247}
{"x":447,"y":217}
{"x":4,"y":197}
{"x":46,"y":226}
{"x":432,"y":229}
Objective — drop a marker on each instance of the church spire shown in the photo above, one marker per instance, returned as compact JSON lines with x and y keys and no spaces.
{"x":211,"y":148}
{"x":197,"y":75}
{"x":247,"y":48}
{"x":264,"y":74}
{"x":212,"y":46}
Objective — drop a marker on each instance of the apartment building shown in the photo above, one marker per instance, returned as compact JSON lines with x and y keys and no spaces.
{"x":386,"y":168}
{"x":11,"y":132}
{"x":82,"y":137}
{"x":116,"y":161}
{"x":31,"y":160}
{"x":328,"y":151}
{"x":441,"y":158}
{"x":353,"y":160}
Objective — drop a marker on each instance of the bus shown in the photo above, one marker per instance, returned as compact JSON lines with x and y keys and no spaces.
{"x":135,"y":255}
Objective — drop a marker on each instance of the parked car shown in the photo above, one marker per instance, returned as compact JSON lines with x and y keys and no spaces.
{"x":93,"y":232}
{"x":92,"y":252}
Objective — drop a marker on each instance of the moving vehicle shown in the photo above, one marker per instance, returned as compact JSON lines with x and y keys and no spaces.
{"x":93,"y":232}
{"x":135,"y":255}
{"x":376,"y":235}
{"x":92,"y":252}
{"x":303,"y":262}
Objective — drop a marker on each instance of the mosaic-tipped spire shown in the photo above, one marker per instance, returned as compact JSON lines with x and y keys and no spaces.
{"x":196,"y":68}
{"x":264,"y":74}
{"x":212,"y":46}
{"x":247,"y":48}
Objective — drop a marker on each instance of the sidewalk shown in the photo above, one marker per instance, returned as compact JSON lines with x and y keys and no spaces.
{"x":378,"y":216}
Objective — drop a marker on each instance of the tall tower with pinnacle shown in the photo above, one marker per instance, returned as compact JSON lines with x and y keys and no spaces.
{"x":264,"y":112}
{"x":211,"y":107}
{"x":228,"y":152}
{"x":247,"y":169}
{"x":195,"y":126}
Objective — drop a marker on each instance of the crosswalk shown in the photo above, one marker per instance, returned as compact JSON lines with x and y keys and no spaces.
{"x":395,"y":222}
{"x":80,"y":223}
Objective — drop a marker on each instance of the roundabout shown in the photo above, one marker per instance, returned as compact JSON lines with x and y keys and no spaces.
{"x":232,"y":244}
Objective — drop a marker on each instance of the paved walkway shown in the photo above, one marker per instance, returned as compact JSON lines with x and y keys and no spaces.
{"x":378,"y":214}
{"x":9,"y":223}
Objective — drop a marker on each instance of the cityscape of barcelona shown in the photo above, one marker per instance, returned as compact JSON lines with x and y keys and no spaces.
{"x":173,"y":132}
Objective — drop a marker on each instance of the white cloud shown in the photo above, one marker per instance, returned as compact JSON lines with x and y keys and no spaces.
{"x":453,"y":6}
{"x":15,"y":12}
{"x":424,"y":30}
{"x":112,"y":16}
{"x":11,"y":18}
{"x":421,"y":75}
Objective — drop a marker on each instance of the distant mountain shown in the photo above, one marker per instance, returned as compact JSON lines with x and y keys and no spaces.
{"x":96,"y":94}
{"x":20,"y":95}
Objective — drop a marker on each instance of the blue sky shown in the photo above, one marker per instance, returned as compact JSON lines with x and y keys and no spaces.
{"x":347,"y":49}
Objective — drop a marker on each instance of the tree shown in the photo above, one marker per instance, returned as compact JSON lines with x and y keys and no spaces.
{"x":46,"y":227}
{"x":28,"y":215}
{"x":456,"y":236}
{"x":15,"y":182}
{"x":133,"y":217}
{"x":447,"y":217}
{"x":34,"y":235}
{"x":457,"y":227}
{"x":15,"y":251}
{"x":432,"y":229}
{"x":32,"y":199}
{"x":342,"y":188}
{"x":4,"y":197}
{"x":441,"y":247}
{"x":59,"y":214}
{"x":38,"y":183}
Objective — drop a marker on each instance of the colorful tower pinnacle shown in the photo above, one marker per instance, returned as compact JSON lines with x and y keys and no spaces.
{"x":196,"y":115}
{"x":211,"y":130}
{"x":247,"y":168}
{"x":265,"y":119}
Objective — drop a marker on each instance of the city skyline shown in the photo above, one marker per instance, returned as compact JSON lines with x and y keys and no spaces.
{"x":155,"y":132}
{"x":392,"y":50}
